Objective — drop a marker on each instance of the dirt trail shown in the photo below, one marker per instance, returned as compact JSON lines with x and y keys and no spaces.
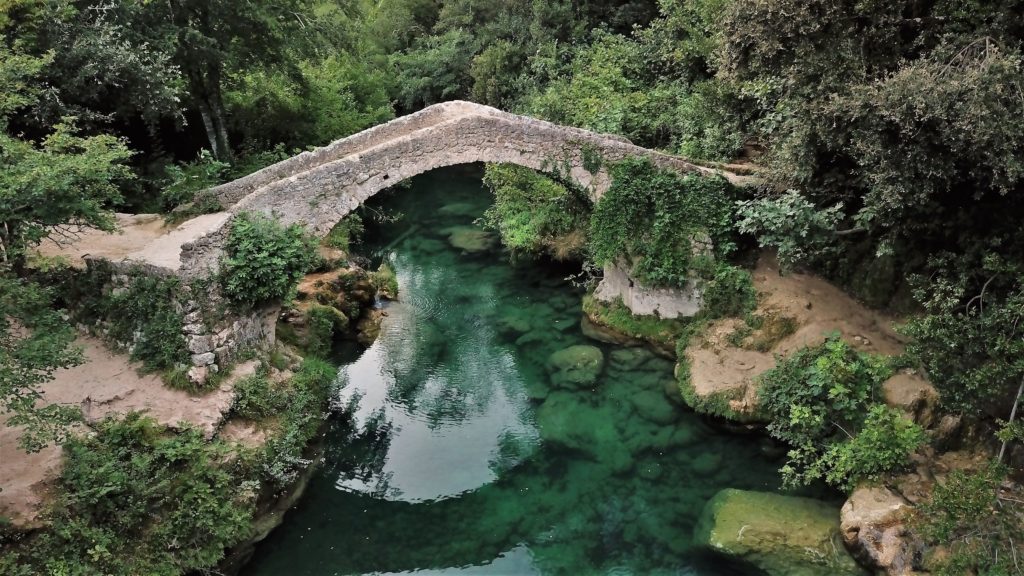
{"x":107,"y":383}
{"x":815,"y":309}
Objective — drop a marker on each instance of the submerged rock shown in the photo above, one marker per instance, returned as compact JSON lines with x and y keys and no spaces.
{"x":782,"y":535}
{"x":575,"y":367}
{"x":565,"y":421}
{"x":470,"y":239}
{"x":652,"y":406}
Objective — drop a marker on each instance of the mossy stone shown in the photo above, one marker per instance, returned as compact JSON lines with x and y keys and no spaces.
{"x":575,"y":367}
{"x":782,"y":535}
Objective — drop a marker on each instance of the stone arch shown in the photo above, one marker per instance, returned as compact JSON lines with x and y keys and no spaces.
{"x":318,"y":188}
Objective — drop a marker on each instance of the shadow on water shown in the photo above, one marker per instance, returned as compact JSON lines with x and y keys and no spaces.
{"x":465,"y":456}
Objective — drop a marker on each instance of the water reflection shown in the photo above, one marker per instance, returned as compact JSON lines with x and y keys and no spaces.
{"x":466,"y":456}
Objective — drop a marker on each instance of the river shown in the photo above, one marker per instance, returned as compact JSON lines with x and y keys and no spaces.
{"x":465,"y":455}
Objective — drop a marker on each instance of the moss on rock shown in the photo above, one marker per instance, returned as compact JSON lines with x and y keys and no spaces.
{"x":782,"y":535}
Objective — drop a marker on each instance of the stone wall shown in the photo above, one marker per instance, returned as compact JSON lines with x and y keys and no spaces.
{"x":214,"y":337}
{"x":662,"y":302}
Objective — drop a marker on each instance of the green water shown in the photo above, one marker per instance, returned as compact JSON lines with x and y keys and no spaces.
{"x":463,"y":456}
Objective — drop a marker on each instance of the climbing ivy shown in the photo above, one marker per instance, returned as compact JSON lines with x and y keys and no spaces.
{"x":661,"y":222}
{"x":535,"y":213}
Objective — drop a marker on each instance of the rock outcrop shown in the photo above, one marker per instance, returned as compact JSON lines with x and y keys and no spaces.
{"x":873,"y":523}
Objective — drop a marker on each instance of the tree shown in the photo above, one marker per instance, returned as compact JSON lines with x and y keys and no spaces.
{"x":48,"y":189}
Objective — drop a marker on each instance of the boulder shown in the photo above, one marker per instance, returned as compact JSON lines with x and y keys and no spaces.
{"x":564,"y":421}
{"x":913,"y":395}
{"x":782,"y":535}
{"x":873,"y":524}
{"x":470,"y":239}
{"x":575,"y":367}
{"x":652,"y":406}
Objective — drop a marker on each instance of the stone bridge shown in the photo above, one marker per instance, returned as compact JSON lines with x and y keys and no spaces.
{"x":318,"y":188}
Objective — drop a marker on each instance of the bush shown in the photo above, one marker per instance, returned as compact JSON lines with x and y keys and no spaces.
{"x":323,"y":323}
{"x":385,"y":282}
{"x":821,"y":400}
{"x":310,"y":390}
{"x":982,"y":530}
{"x":346,"y":232}
{"x":883,"y":444}
{"x":660,"y":222}
{"x":265,"y":260}
{"x":142,"y":314}
{"x":728,"y":291}
{"x":136,"y":499}
{"x":256,"y":398}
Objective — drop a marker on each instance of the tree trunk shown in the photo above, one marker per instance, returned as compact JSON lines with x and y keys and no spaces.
{"x":1013,"y":415}
{"x":206,"y":92}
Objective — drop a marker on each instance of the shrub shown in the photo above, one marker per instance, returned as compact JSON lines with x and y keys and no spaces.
{"x":660,"y":221}
{"x":728,"y":291}
{"x":323,"y":323}
{"x":256,"y":397}
{"x":883,"y":444}
{"x":136,"y":499}
{"x":264,"y":259}
{"x":346,"y":232}
{"x":310,"y":389}
{"x":143,"y":314}
{"x":821,"y":400}
{"x":982,"y":529}
{"x":384,"y":281}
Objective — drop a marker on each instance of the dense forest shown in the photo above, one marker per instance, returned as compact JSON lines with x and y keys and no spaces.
{"x":888,"y":138}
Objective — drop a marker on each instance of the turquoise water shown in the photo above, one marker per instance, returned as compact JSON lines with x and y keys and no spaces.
{"x":470,"y":454}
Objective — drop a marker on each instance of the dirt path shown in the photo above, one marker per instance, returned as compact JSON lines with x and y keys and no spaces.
{"x":107,"y":383}
{"x":809,"y":307}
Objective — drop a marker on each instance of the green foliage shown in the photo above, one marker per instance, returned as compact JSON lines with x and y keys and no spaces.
{"x":790,"y":224}
{"x":323,"y":322}
{"x":256,"y":397}
{"x":331,"y":98}
{"x":35,"y":341}
{"x":65,"y":181}
{"x":141,"y":314}
{"x":346,"y":232}
{"x":970,"y":340}
{"x":982,"y":529}
{"x":534,"y":213}
{"x":822,"y":401}
{"x":728,"y":292}
{"x":310,"y":389}
{"x":265,"y":260}
{"x":384,"y":281}
{"x":135,"y":499}
{"x":883,"y":444}
{"x":660,"y":222}
{"x":183,"y":181}
{"x":437,"y":70}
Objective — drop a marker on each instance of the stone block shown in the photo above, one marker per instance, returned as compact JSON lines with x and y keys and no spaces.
{"x":200,"y":344}
{"x":204,"y":359}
